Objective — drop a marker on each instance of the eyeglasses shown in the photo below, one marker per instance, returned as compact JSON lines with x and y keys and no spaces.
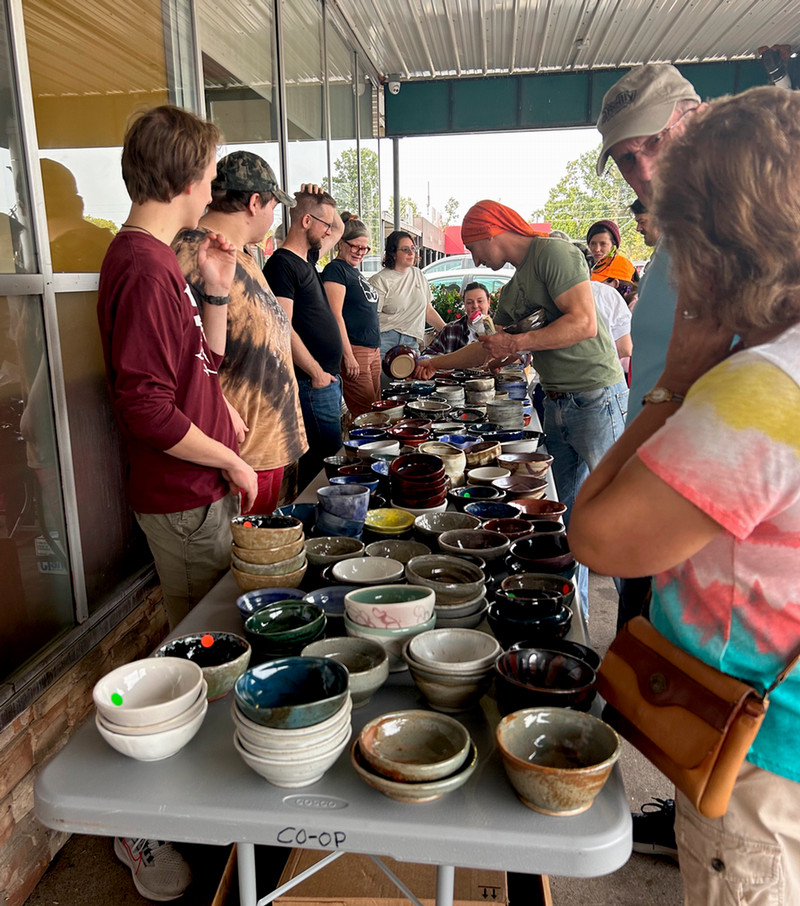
{"x":406,"y":248}
{"x":649,"y":148}
{"x":358,"y":249}
{"x":328,"y":226}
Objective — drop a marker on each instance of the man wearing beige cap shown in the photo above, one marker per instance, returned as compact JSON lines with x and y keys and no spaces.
{"x":642,"y":113}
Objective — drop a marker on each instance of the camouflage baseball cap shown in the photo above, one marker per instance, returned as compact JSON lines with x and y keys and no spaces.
{"x":243,"y":171}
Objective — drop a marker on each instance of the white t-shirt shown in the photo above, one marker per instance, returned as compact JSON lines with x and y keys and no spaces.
{"x":402,"y":300}
{"x":612,"y":309}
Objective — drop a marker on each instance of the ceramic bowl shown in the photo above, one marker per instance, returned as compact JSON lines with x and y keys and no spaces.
{"x":292,"y":692}
{"x":154,"y":746}
{"x":222,"y":656}
{"x":331,"y":549}
{"x":331,"y":526}
{"x":261,"y":532}
{"x":331,"y":599}
{"x":547,"y":582}
{"x":470,"y":415}
{"x":487,"y":475}
{"x":557,"y":761}
{"x":433,"y":525}
{"x":361,"y":469}
{"x":284,"y":628}
{"x":305,"y":512}
{"x":367,"y":433}
{"x":478,"y":542}
{"x":416,"y":469}
{"x":425,"y":499}
{"x":463,"y":609}
{"x":543,"y":526}
{"x":521,"y":486}
{"x":454,"y":650}
{"x":347,"y":501}
{"x":371,"y":482}
{"x":535,"y":464}
{"x":249,"y":582}
{"x":414,"y":746}
{"x":391,"y":639}
{"x":541,"y":677}
{"x":427,"y":407}
{"x":332,"y":464}
{"x":512,"y":620}
{"x":462,"y":497}
{"x":574,"y":649}
{"x":392,"y":409}
{"x":459,"y":441}
{"x":482,"y":454}
{"x":282,"y":739}
{"x":541,"y":508}
{"x":542,"y":550}
{"x":280,"y":568}
{"x":173,"y":723}
{"x":366,"y":662}
{"x":403,"y":551}
{"x":468,"y":621}
{"x":419,"y":510}
{"x":391,"y":447}
{"x":512,"y":528}
{"x":491,"y":509}
{"x":257,"y":557}
{"x":400,"y":361}
{"x":453,"y":580}
{"x":451,"y":693}
{"x":147,"y":691}
{"x":251,"y":601}
{"x":390,"y":606}
{"x":295,"y":772}
{"x":371,"y":420}
{"x":276,"y":752}
{"x":482,"y":428}
{"x":408,"y":434}
{"x":389,"y":521}
{"x":368,"y":571}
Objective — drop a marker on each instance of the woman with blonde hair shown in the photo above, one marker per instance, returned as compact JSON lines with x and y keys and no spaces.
{"x":703,"y":489}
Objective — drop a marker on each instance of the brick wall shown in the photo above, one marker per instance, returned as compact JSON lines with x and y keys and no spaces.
{"x":26,"y":744}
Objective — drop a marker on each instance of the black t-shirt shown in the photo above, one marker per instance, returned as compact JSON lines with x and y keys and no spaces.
{"x":291,"y":277}
{"x":360,"y":308}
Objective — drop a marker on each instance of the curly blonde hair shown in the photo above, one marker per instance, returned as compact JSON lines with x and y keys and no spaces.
{"x":728,"y":202}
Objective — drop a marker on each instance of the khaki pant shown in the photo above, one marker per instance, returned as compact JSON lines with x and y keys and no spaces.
{"x":192,"y":551}
{"x":751,"y":855}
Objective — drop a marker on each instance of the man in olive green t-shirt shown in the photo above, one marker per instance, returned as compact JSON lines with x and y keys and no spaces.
{"x":586,"y":396}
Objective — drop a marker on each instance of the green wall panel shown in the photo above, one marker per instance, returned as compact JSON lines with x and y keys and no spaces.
{"x":481,"y":105}
{"x":421,"y":108}
{"x":553,"y":100}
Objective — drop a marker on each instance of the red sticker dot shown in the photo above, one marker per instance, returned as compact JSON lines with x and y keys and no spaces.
{"x":247,"y":523}
{"x":207,"y":641}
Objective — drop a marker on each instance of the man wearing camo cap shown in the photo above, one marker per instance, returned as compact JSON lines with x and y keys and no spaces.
{"x":642,"y":113}
{"x":257,"y":374}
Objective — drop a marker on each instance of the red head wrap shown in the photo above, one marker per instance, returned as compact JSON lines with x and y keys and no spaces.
{"x":489,"y":218}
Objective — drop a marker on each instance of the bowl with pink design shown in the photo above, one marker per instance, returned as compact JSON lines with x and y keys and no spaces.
{"x":390,"y":606}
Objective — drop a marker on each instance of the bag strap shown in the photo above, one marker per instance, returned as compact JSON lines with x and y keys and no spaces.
{"x":784,"y":673}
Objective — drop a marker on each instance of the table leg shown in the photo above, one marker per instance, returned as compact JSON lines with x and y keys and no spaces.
{"x":445,"y":879}
{"x":246,"y":863}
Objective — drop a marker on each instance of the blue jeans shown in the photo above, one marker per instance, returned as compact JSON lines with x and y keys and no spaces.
{"x":322,"y":414}
{"x":390,"y":338}
{"x":580,"y":427}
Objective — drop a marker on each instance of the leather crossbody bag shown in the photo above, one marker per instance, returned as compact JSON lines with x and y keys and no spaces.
{"x":693,"y":722}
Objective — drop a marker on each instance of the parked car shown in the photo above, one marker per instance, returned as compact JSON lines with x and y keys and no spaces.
{"x":460,"y":278}
{"x":450,"y":263}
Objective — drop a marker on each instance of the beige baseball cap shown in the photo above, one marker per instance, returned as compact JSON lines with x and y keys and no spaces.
{"x":641,"y":103}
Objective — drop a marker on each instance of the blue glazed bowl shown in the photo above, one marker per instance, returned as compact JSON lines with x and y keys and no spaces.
{"x":484,"y":428}
{"x":251,"y":601}
{"x":292,"y":692}
{"x":381,"y":468}
{"x":347,"y":501}
{"x":331,"y":599}
{"x":367,"y":434}
{"x":305,"y":512}
{"x":370,"y":483}
{"x":462,"y":441}
{"x":491,"y":509}
{"x":502,"y":437}
{"x":330,"y":525}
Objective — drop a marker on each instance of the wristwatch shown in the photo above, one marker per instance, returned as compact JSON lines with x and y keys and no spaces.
{"x":662,"y":395}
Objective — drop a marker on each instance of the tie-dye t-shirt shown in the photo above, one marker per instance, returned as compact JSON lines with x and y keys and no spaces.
{"x":733,"y":450}
{"x":257,"y":373}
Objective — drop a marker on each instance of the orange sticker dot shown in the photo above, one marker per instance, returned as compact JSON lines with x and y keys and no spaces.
{"x":247,"y":523}
{"x":207,"y":641}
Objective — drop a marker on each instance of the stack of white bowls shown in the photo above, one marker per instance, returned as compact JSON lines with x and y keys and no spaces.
{"x":150,"y":709}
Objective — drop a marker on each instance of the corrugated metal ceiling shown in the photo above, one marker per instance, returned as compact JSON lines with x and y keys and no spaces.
{"x":429,"y":39}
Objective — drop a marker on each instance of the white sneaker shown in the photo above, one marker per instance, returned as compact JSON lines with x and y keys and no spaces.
{"x":159,"y":871}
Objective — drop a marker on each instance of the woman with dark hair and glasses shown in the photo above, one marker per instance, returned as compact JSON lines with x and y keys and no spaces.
{"x":603,"y":240}
{"x":404,"y":295}
{"x":355,"y":304}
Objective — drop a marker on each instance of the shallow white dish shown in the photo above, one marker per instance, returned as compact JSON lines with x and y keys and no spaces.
{"x":367,"y":570}
{"x":455,"y":650}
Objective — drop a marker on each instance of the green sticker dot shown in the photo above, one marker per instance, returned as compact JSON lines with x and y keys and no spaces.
{"x":116,"y":699}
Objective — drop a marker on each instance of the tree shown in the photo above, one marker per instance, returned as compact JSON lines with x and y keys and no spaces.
{"x":345,"y":187}
{"x":581,"y":197}
{"x":450,"y":211}
{"x":408,"y":208}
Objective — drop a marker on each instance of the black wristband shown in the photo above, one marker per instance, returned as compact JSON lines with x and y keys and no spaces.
{"x":217,"y":300}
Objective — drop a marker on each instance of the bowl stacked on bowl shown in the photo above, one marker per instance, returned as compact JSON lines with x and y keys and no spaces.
{"x":461,"y":498}
{"x":292,"y":718}
{"x":283,"y":628}
{"x":389,"y":615}
{"x":267,"y":551}
{"x":328,"y":549}
{"x":149,"y":709}
{"x":366,"y":661}
{"x":342,"y":509}
{"x":452,"y":668}
{"x":386,"y":522}
{"x":414,"y":756}
{"x":478,"y":542}
{"x":459,"y":586}
{"x":541,"y":553}
{"x":528,"y":615}
{"x":418,"y":482}
{"x":557,"y":761}
{"x":222,"y":656}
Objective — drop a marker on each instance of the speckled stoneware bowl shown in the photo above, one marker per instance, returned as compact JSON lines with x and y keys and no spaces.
{"x":260,"y":532}
{"x":331,"y":549}
{"x":222,"y":656}
{"x":366,"y":662}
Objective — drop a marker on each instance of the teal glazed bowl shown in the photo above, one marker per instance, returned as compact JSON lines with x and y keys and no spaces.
{"x":292,"y":692}
{"x":284,"y":628}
